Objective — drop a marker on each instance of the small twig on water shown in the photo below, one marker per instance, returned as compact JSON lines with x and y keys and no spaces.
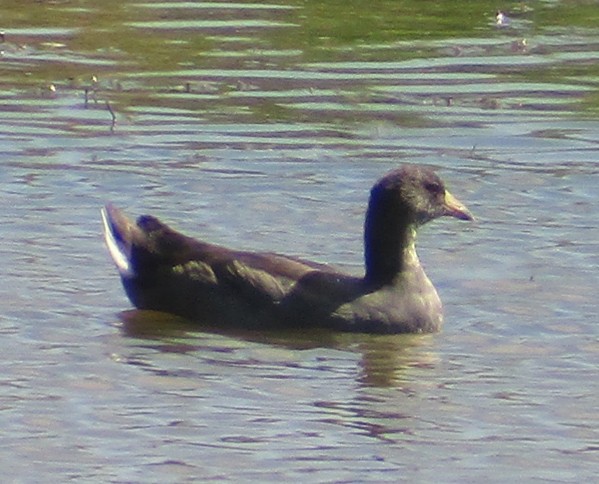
{"x":109,"y":107}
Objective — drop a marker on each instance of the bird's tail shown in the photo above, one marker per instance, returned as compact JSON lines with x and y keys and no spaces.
{"x":120,"y":234}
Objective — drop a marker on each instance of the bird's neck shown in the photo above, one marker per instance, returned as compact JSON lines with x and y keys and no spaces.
{"x":389,"y":243}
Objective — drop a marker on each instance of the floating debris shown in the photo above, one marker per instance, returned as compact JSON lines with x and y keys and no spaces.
{"x":501,"y":19}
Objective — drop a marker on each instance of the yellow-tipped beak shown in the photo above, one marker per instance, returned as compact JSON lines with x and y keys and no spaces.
{"x":455,"y":208}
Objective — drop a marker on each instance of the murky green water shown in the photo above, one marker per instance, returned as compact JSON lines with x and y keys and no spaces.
{"x":253,"y":125}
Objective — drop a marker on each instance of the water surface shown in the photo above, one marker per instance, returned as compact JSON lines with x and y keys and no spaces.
{"x":263,"y":126}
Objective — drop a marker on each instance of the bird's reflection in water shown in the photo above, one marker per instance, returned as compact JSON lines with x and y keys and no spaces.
{"x":383,"y":358}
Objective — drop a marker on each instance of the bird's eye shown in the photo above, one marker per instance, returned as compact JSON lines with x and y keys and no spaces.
{"x":434,"y":188}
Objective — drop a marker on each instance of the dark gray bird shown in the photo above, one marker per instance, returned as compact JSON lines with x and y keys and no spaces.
{"x":164,"y":270}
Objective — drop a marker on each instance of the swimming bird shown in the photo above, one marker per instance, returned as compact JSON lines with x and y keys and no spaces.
{"x":164,"y":270}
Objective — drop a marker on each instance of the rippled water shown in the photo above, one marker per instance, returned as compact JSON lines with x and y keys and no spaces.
{"x":263,"y":126}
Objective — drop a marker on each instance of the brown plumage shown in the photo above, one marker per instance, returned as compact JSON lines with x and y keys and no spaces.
{"x":164,"y":270}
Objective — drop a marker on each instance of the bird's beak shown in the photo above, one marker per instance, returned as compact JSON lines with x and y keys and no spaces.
{"x":454,"y":208}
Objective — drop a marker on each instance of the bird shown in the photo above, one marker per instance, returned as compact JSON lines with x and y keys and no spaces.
{"x":163,"y":270}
